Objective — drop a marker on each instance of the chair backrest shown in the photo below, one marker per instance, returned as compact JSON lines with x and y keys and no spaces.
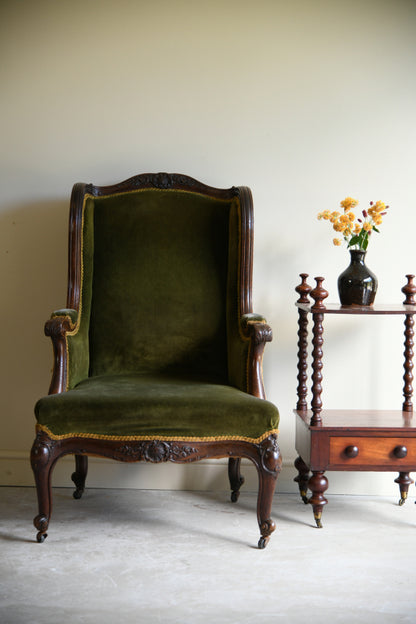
{"x":160,"y":268}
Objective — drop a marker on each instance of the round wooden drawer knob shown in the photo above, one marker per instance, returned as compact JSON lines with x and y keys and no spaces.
{"x":351,"y":451}
{"x":400,"y":452}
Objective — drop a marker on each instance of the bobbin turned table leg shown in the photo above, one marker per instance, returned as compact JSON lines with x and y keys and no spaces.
{"x":303,"y":289}
{"x":318,"y":483}
{"x":408,"y":363}
{"x":318,"y":294}
{"x":410,"y":291}
{"x":404,"y":482}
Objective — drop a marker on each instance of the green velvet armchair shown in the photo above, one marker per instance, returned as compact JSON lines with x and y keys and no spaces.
{"x":158,"y":355}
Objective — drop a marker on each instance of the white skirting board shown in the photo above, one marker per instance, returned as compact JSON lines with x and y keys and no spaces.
{"x":206,"y":475}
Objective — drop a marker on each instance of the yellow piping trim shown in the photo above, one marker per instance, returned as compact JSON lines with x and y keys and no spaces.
{"x":77,"y":325}
{"x":162,"y":438}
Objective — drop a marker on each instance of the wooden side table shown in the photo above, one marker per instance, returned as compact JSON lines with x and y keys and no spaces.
{"x":368,"y":440}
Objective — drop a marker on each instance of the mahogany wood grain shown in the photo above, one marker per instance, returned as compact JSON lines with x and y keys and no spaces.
{"x":374,"y":451}
{"x":350,"y":440}
{"x":362,"y":421}
{"x":46,"y":452}
{"x":386,"y":309}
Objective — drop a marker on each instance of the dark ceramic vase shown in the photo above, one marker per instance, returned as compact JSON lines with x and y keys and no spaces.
{"x":357,"y":285}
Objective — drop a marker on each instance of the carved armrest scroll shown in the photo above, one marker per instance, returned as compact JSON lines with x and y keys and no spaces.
{"x":60,"y":323}
{"x":256,"y":329}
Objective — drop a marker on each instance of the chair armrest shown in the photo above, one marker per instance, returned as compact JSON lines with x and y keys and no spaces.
{"x":255,"y":327}
{"x":258,"y":332}
{"x":65,"y":312}
{"x":68,"y":349}
{"x":246,"y":343}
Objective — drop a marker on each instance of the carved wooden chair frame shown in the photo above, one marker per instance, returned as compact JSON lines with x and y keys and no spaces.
{"x":265,"y":455}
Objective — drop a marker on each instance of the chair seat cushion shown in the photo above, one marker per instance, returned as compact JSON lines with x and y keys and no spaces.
{"x":156,"y":407}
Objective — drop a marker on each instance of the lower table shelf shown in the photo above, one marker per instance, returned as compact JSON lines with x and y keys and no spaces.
{"x":355,"y":440}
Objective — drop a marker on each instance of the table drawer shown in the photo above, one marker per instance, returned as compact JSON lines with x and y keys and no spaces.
{"x":374,"y":451}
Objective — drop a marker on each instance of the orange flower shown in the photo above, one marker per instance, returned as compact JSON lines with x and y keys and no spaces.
{"x":379,"y":206}
{"x":348,"y":203}
{"x":324,"y":215}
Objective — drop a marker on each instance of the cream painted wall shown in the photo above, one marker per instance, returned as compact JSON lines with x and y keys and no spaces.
{"x":305,"y":102}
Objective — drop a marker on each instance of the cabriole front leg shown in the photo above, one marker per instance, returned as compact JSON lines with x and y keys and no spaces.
{"x":42,"y":460}
{"x":268,"y":469}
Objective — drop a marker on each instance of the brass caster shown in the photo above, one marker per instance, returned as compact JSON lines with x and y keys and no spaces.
{"x":318,"y":522}
{"x":234,"y":496}
{"x":263,"y":542}
{"x":304,"y":497}
{"x":403,"y":498}
{"x":40,"y":537}
{"x":78,"y":494}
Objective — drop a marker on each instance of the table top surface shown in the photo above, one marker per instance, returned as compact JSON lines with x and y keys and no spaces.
{"x":336,"y":308}
{"x":362,"y":419}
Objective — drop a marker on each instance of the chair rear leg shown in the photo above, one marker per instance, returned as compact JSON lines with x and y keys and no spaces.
{"x":80,"y":475}
{"x":235,"y":477}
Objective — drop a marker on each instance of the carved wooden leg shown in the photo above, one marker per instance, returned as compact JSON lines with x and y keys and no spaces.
{"x":318,"y":483}
{"x":268,"y":470}
{"x":80,"y":474}
{"x":236,"y":479}
{"x":42,"y":461}
{"x":302,"y":479}
{"x":404,"y":481}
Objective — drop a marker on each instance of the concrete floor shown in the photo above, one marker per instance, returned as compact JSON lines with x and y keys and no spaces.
{"x":121,"y":556}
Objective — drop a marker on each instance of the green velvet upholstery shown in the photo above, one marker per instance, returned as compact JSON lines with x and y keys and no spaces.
{"x":157,"y":347}
{"x":167,"y":284}
{"x":156,"y":407}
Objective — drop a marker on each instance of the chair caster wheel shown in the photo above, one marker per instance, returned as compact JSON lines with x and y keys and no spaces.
{"x":234,"y":496}
{"x":40,"y":537}
{"x":263,"y":542}
{"x":305,"y":499}
{"x":402,"y":502}
{"x":77,"y":494}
